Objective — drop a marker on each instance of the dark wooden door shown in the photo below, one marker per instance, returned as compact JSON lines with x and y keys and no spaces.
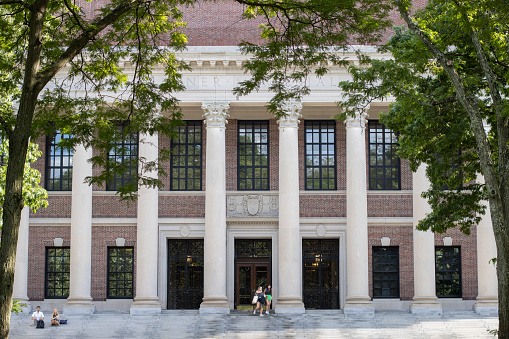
{"x":250,"y":275}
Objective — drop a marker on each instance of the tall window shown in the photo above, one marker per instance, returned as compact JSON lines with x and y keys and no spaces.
{"x":186,"y":159}
{"x":58,"y":163}
{"x":57,"y":272}
{"x":385,"y":272}
{"x":125,"y":154}
{"x":253,"y":155}
{"x":120,"y":272}
{"x":384,"y":163}
{"x":320,"y":155}
{"x":448,"y":271}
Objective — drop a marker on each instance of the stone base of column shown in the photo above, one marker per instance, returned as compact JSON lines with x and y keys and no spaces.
{"x":289,"y":305}
{"x":215,"y":305}
{"x":359,"y":306}
{"x":26,"y":301}
{"x":79,"y":306}
{"x":486,"y":306}
{"x":426,"y":306}
{"x":145,"y":306}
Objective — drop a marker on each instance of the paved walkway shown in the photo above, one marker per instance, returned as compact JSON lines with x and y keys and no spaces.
{"x":243,"y":324}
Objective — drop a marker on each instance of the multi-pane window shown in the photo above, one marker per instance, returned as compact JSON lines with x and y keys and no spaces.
{"x":253,"y":155}
{"x":385,"y":272}
{"x":384,"y":163}
{"x":320,"y":155}
{"x":120,"y":272}
{"x":57,"y":272}
{"x":448,"y":271}
{"x":58,"y":163}
{"x":186,"y":159}
{"x":124,"y":154}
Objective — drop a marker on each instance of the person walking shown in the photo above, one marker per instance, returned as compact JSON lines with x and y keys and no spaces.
{"x":261,"y":300}
{"x":268,"y":294}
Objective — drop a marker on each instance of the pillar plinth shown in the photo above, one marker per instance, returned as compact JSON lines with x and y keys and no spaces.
{"x":358,"y":300}
{"x":20,"y":289}
{"x":214,"y":286}
{"x":147,"y":230}
{"x":487,"y":293}
{"x":80,"y":300}
{"x":425,"y":300}
{"x":290,"y":243}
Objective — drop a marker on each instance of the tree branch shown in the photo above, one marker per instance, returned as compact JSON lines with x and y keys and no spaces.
{"x":81,"y":41}
{"x":15,"y":2}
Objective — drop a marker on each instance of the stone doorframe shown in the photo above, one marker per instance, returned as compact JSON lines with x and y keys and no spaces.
{"x":249,"y":230}
{"x":178,"y":228}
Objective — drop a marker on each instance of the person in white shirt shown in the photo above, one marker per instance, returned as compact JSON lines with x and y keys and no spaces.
{"x":37,"y":315}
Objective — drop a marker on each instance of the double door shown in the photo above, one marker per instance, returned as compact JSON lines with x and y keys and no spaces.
{"x":249,"y":276}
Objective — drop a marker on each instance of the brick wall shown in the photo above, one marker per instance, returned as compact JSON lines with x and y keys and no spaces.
{"x":102,"y":238}
{"x":468,"y":250}
{"x":39,"y":238}
{"x":401,"y":236}
{"x":323,"y":206}
{"x":112,"y":207}
{"x":390,"y":205}
{"x":182,"y":206}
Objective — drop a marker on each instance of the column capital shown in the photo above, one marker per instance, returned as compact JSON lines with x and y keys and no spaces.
{"x":215,"y":113}
{"x":292,"y":114}
{"x":359,"y":119}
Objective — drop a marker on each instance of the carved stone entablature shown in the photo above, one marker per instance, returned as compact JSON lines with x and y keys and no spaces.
{"x":252,"y":205}
{"x":359,"y":120}
{"x":292,"y":110}
{"x":215,"y":113}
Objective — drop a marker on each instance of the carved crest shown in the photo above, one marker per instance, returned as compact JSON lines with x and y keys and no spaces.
{"x":253,"y":204}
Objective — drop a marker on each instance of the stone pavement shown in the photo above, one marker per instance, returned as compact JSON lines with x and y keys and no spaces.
{"x":243,"y":324}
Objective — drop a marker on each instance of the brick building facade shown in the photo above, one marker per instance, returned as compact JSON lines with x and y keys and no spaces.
{"x":324,"y":233}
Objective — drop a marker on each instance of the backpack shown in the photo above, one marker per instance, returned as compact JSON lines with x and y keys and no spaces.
{"x":40,"y":324}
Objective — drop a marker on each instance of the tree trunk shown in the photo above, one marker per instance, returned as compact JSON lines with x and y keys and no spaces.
{"x":18,"y":146}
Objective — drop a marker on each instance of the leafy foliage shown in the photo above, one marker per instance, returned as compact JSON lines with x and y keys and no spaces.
{"x":34,"y":196}
{"x":304,"y":38}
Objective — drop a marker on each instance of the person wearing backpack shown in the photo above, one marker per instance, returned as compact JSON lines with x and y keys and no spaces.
{"x":261,"y":300}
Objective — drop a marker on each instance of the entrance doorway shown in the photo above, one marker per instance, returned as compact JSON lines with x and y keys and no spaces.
{"x":185,"y":273}
{"x":252,"y":269}
{"x":320,"y":259}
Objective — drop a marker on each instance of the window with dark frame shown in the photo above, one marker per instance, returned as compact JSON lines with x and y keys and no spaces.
{"x":385,"y":271}
{"x":186,"y":158}
{"x":384,"y":163}
{"x":58,"y":163}
{"x":448,"y":271}
{"x":125,"y":154}
{"x":253,"y":155}
{"x":453,"y":171}
{"x":320,"y":154}
{"x":57,"y":272}
{"x":120,"y":272}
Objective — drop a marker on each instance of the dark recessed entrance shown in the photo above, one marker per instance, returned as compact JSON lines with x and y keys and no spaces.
{"x":320,"y":273}
{"x":185,"y":274}
{"x":252,"y":269}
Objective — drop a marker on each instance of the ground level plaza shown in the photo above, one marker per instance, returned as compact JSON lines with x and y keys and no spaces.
{"x":243,"y":324}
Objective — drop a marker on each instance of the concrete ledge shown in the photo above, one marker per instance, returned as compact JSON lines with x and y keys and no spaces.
{"x":290,"y":310}
{"x":359,"y":311}
{"x":486,"y":309}
{"x":214,"y":310}
{"x":78,"y":310}
{"x":145,"y":310}
{"x":423,"y":309}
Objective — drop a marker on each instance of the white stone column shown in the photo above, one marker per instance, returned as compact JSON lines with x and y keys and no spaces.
{"x":80,"y":300}
{"x":425,"y":299}
{"x":214,"y":285}
{"x":290,"y":243}
{"x":146,"y":300}
{"x":20,"y":290}
{"x":487,"y":285}
{"x":357,"y":297}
